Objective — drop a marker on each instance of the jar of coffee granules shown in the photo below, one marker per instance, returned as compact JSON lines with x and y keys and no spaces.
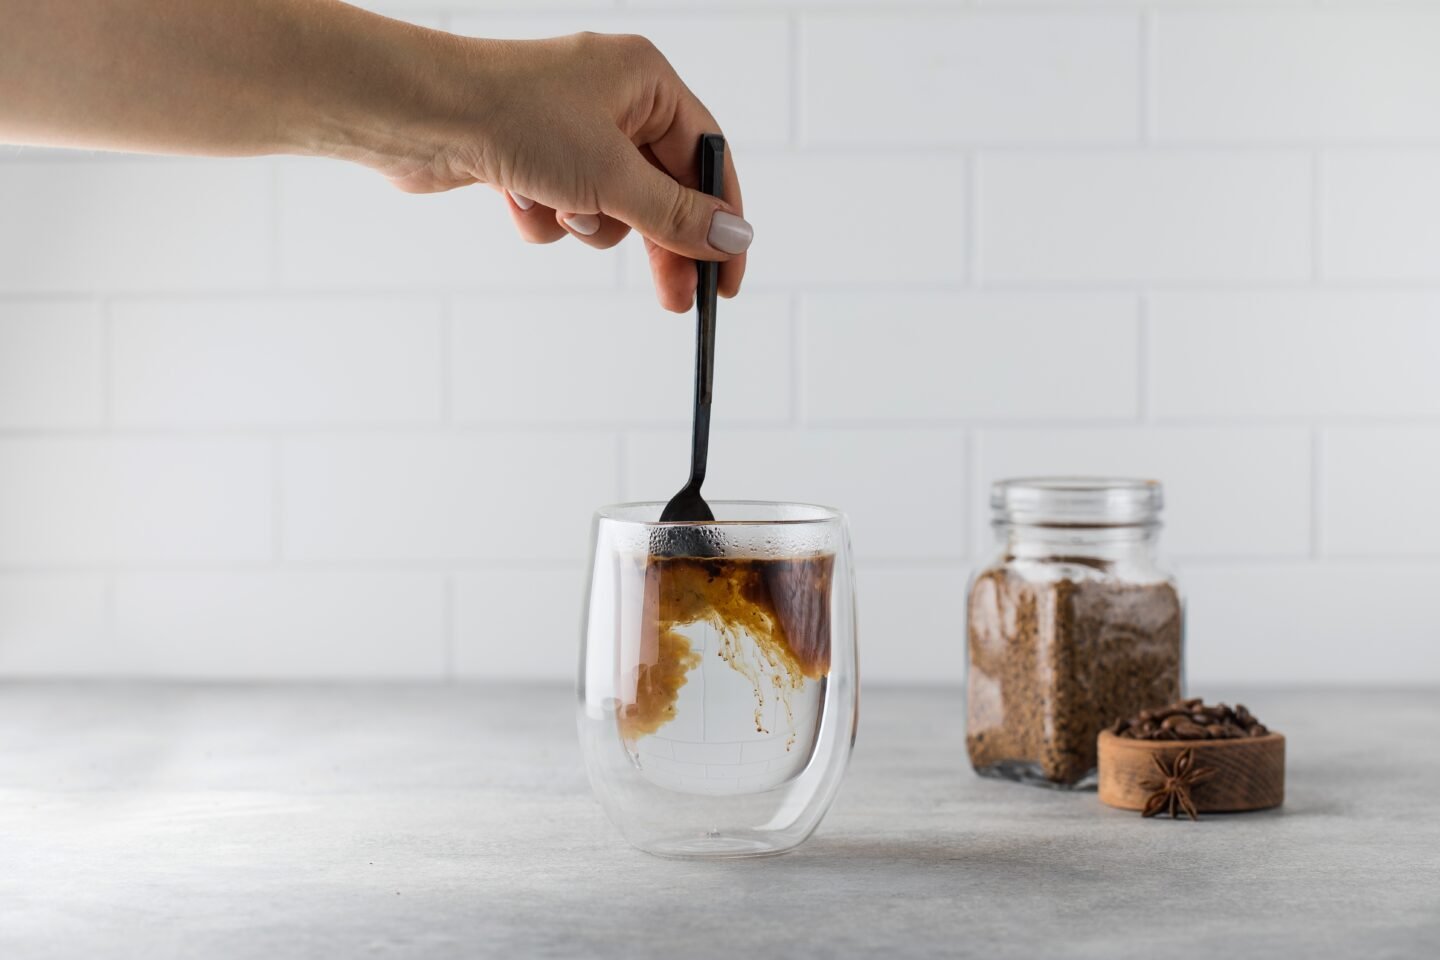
{"x":1072,"y":627}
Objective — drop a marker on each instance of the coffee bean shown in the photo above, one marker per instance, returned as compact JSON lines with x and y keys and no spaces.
{"x":1186,"y":730}
{"x":1193,"y":720}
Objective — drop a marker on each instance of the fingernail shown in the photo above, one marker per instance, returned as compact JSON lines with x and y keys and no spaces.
{"x":524,"y":203}
{"x":585,"y":224}
{"x":729,"y":233}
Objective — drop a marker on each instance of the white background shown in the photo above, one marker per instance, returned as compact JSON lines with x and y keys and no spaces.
{"x":275,"y":419}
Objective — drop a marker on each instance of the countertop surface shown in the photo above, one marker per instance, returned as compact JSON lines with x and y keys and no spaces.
{"x":379,"y":821}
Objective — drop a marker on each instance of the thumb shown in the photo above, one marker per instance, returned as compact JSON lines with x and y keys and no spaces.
{"x":677,"y":218}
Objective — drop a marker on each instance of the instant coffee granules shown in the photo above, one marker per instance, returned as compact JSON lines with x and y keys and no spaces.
{"x":1052,"y":663}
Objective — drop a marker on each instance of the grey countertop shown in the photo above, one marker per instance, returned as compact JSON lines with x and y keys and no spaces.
{"x":378,"y":821}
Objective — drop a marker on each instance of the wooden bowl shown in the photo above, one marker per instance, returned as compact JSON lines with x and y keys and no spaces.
{"x":1249,"y":772}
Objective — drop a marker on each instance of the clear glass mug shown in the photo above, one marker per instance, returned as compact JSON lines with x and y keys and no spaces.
{"x":718,"y":688}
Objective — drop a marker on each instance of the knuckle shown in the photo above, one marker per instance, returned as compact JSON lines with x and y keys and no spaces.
{"x":678,"y":213}
{"x":622,"y":48}
{"x":635,"y":45}
{"x":585,"y":45}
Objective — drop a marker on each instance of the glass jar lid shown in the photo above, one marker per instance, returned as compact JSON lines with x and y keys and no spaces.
{"x":1076,"y":501}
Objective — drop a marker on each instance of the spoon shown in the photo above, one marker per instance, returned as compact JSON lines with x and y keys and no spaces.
{"x":688,"y":506}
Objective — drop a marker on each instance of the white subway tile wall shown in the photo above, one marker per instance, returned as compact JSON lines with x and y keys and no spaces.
{"x":1381,"y":495}
{"x":55,"y":625}
{"x":1250,"y":75}
{"x":282,"y":624}
{"x":107,"y":225}
{"x":964,"y":357}
{"x":70,"y":501}
{"x":52,"y":365}
{"x":917,"y":513}
{"x":1380,"y":215}
{"x":276,"y":362}
{"x":274,"y":419}
{"x":519,"y":622}
{"x":1233,"y":491}
{"x":1144,"y":217}
{"x":619,"y":359}
{"x":1065,"y":77}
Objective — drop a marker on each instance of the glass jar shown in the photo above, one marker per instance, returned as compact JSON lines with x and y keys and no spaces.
{"x":1073,"y":626}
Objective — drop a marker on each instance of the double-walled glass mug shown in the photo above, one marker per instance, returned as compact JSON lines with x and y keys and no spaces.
{"x":718,"y":687}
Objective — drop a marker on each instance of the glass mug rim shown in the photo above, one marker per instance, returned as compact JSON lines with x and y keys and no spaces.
{"x":616,"y":513}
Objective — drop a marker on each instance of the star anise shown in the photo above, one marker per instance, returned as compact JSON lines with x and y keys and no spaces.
{"x":1171,"y":789}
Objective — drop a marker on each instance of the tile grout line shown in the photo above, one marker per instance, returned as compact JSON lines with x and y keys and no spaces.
{"x":107,"y":364}
{"x":438,"y":565}
{"x":796,"y":77}
{"x":1144,"y":42}
{"x":273,"y":261}
{"x":1041,"y":285}
{"x":562,"y":429}
{"x":1317,"y":216}
{"x":973,"y":222}
{"x":277,"y":501}
{"x":447,"y":338}
{"x":621,"y":479}
{"x":974,"y":494}
{"x":1142,"y":359}
{"x":441,"y":567}
{"x":1317,"y":492}
{"x":111,"y":611}
{"x":797,"y":362}
{"x":447,"y":617}
{"x":1148,"y":105}
{"x":622,"y":263}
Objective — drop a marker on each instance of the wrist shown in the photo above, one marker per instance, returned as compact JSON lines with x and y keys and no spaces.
{"x":394,"y":97}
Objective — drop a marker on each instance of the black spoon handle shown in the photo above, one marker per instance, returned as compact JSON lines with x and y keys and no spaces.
{"x":712,"y":182}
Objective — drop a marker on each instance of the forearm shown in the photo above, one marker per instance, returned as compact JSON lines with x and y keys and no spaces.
{"x":219,"y":78}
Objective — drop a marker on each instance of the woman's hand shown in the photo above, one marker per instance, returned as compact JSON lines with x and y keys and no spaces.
{"x":589,"y":135}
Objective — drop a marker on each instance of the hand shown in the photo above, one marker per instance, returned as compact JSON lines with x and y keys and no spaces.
{"x":597,"y":131}
{"x":589,"y":135}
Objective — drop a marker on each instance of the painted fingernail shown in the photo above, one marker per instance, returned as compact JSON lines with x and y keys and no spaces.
{"x":729,"y":233}
{"x":524,"y":203}
{"x":585,"y":224}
